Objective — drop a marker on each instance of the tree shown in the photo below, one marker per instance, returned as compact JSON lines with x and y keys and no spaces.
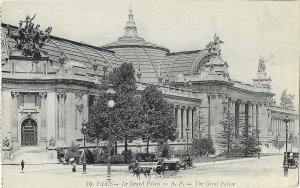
{"x":248,"y":138}
{"x":203,"y":146}
{"x":286,"y":100}
{"x":278,"y":144}
{"x":158,"y":121}
{"x":126,"y":115}
{"x":200,"y":127}
{"x":226,"y":137}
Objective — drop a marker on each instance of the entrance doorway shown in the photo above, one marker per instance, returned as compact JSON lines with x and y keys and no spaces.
{"x":29,"y":132}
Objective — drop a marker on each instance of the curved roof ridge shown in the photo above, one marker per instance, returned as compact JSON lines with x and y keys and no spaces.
{"x":151,"y":63}
{"x":196,"y":57}
{"x":173,"y":62}
{"x":80,"y":51}
{"x":102,"y":56}
{"x":60,"y":49}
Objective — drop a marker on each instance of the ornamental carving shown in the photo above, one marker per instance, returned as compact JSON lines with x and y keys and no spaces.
{"x":5,"y":142}
{"x":61,"y":95}
{"x":79,"y":103}
{"x":15,"y":94}
{"x":214,"y":46}
{"x":30,"y":40}
{"x":43,"y":95}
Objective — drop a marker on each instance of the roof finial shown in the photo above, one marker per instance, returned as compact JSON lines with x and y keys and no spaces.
{"x":130,"y":15}
{"x":130,"y":28}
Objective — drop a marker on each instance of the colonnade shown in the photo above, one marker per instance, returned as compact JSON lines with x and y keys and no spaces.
{"x":185,"y":117}
{"x":278,"y":127}
{"x":252,"y":113}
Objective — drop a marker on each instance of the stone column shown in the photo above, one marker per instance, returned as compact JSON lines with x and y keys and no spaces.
{"x":43,"y":127}
{"x":254,"y":115}
{"x":179,"y":126}
{"x":14,"y":116}
{"x":212,"y":116}
{"x":184,"y":121}
{"x":61,"y":115}
{"x":190,"y":124}
{"x":195,"y":118}
{"x":250,"y":108}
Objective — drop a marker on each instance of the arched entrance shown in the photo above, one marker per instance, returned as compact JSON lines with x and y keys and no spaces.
{"x":29,"y":132}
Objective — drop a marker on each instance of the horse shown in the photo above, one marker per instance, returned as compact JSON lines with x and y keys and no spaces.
{"x":137,"y":170}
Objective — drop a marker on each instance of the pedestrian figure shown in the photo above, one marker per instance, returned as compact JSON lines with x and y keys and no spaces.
{"x":22,"y":164}
{"x":74,"y":167}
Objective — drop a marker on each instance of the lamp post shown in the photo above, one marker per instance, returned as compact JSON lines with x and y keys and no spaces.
{"x":84,"y":159}
{"x":258,"y":152}
{"x":187,"y":139}
{"x":111,"y":103}
{"x":285,"y":164}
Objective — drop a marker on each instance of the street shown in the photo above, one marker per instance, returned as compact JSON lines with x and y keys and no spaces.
{"x":253,"y":172}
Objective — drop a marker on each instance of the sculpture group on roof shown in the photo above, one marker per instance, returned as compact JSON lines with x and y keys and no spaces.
{"x":214,"y":46}
{"x":261,"y":65}
{"x":30,"y":40}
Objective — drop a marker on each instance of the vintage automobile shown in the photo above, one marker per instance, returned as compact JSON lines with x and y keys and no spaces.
{"x":167,"y":167}
{"x":292,"y":159}
{"x":186,"y":162}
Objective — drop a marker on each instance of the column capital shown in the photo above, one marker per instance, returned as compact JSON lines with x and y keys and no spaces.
{"x":184,"y":108}
{"x":15,"y":94}
{"x":61,"y":94}
{"x":43,"y":95}
{"x":178,"y":106}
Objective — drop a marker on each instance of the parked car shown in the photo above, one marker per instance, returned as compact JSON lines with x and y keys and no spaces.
{"x":292,"y":159}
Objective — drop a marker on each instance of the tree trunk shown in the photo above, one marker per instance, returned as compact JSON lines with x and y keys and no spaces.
{"x":125,"y":144}
{"x":148,"y":145}
{"x":116,"y":147}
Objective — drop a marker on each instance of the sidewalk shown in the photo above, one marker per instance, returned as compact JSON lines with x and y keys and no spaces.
{"x":237,"y":160}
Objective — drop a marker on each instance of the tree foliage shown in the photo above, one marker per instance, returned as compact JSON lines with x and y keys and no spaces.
{"x":286,"y":100}
{"x":226,"y":138}
{"x":125,"y":117}
{"x":158,"y":121}
{"x":203,"y":146}
{"x":248,"y":137}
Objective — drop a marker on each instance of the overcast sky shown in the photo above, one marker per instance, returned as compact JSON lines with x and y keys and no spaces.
{"x":249,"y":29}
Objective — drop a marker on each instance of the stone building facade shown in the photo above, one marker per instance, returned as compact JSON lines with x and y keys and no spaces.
{"x":49,"y":97}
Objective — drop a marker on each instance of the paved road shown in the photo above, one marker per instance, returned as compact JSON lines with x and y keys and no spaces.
{"x":264,"y":172}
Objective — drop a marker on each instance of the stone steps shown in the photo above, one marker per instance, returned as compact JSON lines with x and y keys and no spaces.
{"x":32,"y":155}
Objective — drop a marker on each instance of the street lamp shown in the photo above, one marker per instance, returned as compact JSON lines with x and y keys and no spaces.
{"x":110,"y":104}
{"x":187,"y":139}
{"x":285,"y":164}
{"x":258,"y":152}
{"x":84,"y":159}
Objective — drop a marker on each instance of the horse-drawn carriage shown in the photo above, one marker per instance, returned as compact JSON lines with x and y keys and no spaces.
{"x":186,"y":162}
{"x":167,"y":167}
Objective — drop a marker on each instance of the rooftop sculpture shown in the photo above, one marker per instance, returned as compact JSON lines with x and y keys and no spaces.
{"x":30,"y":40}
{"x":214,"y":46}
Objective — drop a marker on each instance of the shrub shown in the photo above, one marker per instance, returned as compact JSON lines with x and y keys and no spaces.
{"x":60,"y":153}
{"x":127,"y":156}
{"x":73,"y":152}
{"x":117,"y":159}
{"x":103,"y":158}
{"x":165,"y":149}
{"x":89,"y":156}
{"x":203,"y":146}
{"x":147,"y":157}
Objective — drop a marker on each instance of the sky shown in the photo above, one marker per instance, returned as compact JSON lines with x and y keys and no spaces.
{"x":250,"y":29}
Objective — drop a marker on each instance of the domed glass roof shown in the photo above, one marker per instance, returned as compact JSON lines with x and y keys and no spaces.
{"x":146,"y":57}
